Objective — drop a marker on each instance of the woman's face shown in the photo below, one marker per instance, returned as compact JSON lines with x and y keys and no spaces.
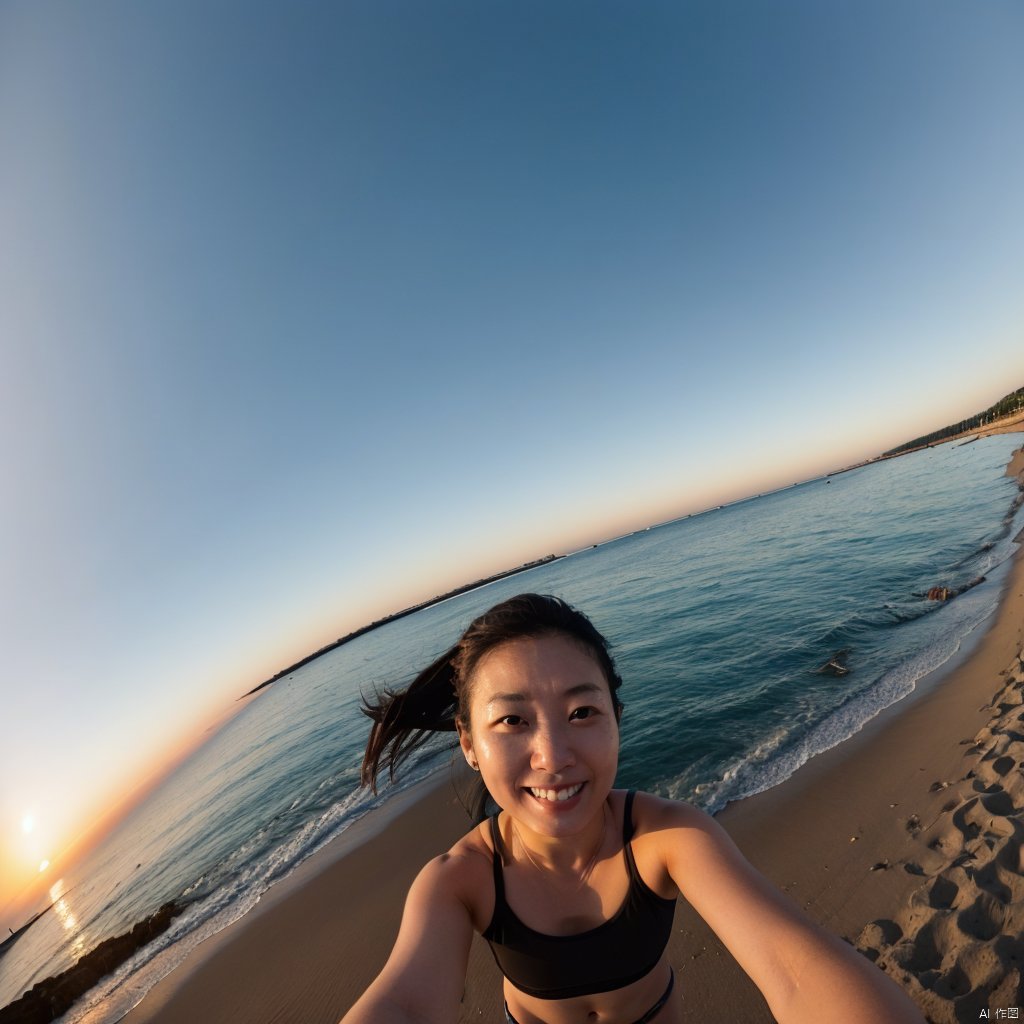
{"x":544,"y":732}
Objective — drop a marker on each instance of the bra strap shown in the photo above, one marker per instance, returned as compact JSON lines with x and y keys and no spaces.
{"x":627,"y":818}
{"x":627,"y":844}
{"x":499,"y":879}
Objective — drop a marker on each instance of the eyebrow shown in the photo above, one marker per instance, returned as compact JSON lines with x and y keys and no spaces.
{"x":522,"y":698}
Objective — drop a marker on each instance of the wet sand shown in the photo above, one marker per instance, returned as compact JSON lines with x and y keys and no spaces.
{"x":906,"y":840}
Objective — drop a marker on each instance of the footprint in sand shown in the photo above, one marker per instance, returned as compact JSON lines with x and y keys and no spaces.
{"x":942,"y":892}
{"x":957,"y":945}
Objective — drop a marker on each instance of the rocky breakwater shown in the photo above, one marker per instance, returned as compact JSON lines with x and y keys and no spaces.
{"x":53,"y":997}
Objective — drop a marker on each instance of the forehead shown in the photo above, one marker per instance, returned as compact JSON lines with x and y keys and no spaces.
{"x":533,"y":666}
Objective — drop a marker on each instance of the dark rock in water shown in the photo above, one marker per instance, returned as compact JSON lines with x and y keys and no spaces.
{"x":947,"y":593}
{"x":836,"y":665}
{"x":53,"y":997}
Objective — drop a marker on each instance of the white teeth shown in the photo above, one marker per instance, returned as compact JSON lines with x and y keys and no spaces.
{"x":556,"y":795}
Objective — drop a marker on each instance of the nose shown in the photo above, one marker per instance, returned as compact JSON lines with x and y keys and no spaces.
{"x":552,"y":749}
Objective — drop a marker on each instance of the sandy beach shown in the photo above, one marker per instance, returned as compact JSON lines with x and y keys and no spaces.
{"x":906,"y":840}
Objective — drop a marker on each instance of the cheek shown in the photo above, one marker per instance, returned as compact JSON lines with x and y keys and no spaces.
{"x":606,"y":743}
{"x":489,"y":751}
{"x":500,"y":762}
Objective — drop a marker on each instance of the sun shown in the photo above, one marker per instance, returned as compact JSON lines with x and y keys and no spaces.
{"x":34,"y":840}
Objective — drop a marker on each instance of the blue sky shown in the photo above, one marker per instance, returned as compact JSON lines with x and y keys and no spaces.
{"x":309,"y":311}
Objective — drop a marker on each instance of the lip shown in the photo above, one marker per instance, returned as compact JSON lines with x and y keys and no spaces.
{"x":557,"y":806}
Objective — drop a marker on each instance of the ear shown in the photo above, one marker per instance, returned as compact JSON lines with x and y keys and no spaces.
{"x":466,"y":743}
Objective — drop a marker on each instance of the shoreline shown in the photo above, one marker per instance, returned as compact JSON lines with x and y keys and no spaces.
{"x":852,"y":836}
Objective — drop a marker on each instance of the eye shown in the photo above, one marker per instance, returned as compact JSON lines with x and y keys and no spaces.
{"x":510,"y":720}
{"x":580,"y":714}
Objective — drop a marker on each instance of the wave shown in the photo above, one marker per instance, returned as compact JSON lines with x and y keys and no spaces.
{"x":787,"y":748}
{"x":114,"y":996}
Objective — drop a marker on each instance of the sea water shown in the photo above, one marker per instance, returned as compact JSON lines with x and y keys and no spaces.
{"x":721,"y":624}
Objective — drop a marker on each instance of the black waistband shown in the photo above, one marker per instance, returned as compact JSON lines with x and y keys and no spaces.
{"x":645,"y":1019}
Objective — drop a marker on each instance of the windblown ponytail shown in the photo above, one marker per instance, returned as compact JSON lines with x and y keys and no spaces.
{"x":404,"y":720}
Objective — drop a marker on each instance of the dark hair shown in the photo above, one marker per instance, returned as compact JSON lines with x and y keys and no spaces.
{"x":404,"y":720}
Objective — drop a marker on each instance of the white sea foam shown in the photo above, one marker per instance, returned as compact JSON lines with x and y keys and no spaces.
{"x":778,"y":756}
{"x":124,"y":989}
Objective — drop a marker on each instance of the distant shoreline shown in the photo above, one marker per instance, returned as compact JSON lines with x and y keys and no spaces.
{"x":1008,"y":424}
{"x":465,"y":588}
{"x":1011,"y":424}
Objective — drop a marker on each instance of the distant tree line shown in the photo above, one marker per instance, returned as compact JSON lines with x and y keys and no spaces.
{"x":1013,"y":402}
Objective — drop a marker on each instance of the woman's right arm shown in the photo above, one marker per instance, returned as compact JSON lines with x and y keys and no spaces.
{"x":424,"y":978}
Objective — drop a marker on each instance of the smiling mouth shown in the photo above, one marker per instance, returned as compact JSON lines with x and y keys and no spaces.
{"x":555,"y":795}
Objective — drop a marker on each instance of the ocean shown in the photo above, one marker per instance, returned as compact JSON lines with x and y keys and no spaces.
{"x":721,"y":623}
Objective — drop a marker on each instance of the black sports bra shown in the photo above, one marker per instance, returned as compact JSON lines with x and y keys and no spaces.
{"x":616,"y":953}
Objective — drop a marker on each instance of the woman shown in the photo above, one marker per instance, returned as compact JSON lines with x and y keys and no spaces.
{"x":574,"y":883}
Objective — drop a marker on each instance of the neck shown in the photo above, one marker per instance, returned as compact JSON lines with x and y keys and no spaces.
{"x":570,"y":855}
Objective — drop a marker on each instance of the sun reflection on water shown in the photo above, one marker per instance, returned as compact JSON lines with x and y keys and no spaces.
{"x":67,"y":918}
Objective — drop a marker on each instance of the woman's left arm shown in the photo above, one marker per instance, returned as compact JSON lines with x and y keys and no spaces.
{"x":799,"y":967}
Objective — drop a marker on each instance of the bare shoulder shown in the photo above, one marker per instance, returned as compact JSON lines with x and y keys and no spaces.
{"x":474,"y":848}
{"x":465,"y":873}
{"x":673,"y":838}
{"x":425,"y":974}
{"x":686,"y":846}
{"x":655,"y":813}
